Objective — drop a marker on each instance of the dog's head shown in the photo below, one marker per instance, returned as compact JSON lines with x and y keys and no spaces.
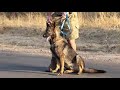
{"x":51,"y":31}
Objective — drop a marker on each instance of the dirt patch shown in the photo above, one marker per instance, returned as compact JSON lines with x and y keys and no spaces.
{"x":99,"y":40}
{"x":91,"y":40}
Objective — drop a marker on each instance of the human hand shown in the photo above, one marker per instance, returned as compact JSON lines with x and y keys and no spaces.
{"x":64,"y":15}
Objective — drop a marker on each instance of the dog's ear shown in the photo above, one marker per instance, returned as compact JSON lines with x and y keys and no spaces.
{"x":50,"y":24}
{"x":54,"y":24}
{"x":47,"y":24}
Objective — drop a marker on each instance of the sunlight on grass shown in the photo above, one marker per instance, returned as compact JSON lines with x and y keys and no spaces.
{"x":104,"y":20}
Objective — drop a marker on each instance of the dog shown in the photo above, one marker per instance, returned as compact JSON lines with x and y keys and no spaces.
{"x":64,"y":58}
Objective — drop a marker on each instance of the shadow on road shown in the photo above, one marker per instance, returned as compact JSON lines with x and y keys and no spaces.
{"x":38,"y":65}
{"x":11,"y":67}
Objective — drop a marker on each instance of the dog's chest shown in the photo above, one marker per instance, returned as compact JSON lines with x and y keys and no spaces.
{"x":56,"y":50}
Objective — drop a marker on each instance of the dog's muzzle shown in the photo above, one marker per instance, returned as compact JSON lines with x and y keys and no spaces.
{"x":47,"y":37}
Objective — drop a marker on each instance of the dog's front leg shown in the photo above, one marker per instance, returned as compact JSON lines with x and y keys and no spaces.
{"x":57,"y":66}
{"x":52,"y":65}
{"x":61,"y":64}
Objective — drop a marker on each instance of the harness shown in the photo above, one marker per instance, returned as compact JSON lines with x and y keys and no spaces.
{"x":68,"y":24}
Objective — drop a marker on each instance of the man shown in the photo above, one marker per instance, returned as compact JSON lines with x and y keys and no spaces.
{"x":74,"y":25}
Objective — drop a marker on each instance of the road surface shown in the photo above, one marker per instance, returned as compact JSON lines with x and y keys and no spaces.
{"x":27,"y":66}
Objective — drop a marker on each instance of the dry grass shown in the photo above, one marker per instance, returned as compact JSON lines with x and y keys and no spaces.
{"x":31,"y":20}
{"x":104,"y":20}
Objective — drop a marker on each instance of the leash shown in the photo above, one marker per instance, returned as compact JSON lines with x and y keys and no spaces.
{"x":68,"y":24}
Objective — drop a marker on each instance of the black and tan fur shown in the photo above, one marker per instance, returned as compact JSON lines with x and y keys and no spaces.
{"x":64,"y":58}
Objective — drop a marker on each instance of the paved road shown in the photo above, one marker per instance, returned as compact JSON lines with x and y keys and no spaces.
{"x":25,"y":66}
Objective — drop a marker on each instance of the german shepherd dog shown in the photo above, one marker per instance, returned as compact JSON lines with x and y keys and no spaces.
{"x":64,"y":58}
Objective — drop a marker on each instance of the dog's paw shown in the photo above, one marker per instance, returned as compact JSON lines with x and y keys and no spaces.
{"x":79,"y":73}
{"x":54,"y":71}
{"x":60,"y":74}
{"x":68,"y":71}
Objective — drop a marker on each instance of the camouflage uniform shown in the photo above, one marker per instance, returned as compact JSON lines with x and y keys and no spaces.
{"x":74,"y":24}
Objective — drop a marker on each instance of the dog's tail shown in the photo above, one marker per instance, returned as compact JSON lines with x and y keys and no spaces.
{"x":90,"y":70}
